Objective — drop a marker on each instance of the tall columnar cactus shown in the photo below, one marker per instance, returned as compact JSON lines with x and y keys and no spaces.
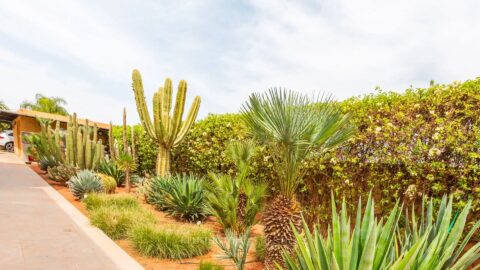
{"x":168,"y":130}
{"x":111,"y":143}
{"x":83,"y":149}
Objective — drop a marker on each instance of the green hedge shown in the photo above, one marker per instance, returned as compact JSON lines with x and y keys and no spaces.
{"x":420,"y":141}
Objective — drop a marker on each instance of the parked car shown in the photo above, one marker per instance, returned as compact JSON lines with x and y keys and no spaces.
{"x":6,"y":140}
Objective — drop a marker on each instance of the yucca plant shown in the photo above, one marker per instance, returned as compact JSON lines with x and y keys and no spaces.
{"x":83,"y":183}
{"x":375,"y":244}
{"x":293,"y":125}
{"x":127,"y":164}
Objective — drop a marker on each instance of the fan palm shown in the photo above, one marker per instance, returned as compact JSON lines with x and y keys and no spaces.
{"x":293,"y":125}
{"x":46,"y":104}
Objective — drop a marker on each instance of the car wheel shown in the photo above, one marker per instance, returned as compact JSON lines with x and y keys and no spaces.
{"x":9,"y":147}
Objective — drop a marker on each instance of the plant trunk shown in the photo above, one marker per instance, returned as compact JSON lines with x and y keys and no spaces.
{"x":163,"y":161}
{"x":127,"y":179}
{"x":279,"y":236}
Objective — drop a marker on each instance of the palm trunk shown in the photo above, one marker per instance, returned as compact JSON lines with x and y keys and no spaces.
{"x":127,"y":179}
{"x":163,"y":161}
{"x":279,"y":236}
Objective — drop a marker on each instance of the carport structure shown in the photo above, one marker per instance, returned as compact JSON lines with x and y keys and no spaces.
{"x":25,"y":122}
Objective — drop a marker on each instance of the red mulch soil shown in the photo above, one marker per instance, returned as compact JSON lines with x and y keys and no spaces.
{"x":155,"y":263}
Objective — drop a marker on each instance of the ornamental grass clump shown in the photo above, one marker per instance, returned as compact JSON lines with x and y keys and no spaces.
{"x":168,"y":241}
{"x":108,"y":182}
{"x":424,"y":243}
{"x":116,"y":215}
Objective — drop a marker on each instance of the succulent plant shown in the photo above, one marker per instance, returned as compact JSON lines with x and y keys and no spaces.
{"x":83,"y":183}
{"x":61,"y":173}
{"x":108,"y":182}
{"x":168,"y":130}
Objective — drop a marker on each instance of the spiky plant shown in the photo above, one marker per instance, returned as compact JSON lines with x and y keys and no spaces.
{"x":108,"y":182}
{"x":110,"y":168}
{"x":293,"y":125}
{"x":168,"y":130}
{"x":61,"y":173}
{"x":182,"y":196}
{"x":235,"y":247}
{"x":83,"y":183}
{"x":126,"y":163}
{"x":377,"y":244}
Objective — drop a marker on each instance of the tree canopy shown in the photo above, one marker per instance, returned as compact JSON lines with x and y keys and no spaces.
{"x":46,"y":104}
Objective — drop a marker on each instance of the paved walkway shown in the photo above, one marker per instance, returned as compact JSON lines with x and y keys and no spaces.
{"x":39,"y":229}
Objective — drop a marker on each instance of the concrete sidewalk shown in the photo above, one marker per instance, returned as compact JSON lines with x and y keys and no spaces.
{"x":39,"y":229}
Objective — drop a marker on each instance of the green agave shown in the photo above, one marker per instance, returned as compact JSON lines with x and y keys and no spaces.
{"x":423,"y":244}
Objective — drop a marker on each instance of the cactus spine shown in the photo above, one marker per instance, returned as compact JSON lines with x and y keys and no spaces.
{"x":83,"y":149}
{"x":168,"y":130}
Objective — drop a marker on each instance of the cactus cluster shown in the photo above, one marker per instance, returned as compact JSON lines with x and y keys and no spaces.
{"x":168,"y":130}
{"x":83,"y":150}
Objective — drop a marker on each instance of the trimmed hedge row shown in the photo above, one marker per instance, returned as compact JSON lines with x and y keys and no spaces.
{"x":420,"y":141}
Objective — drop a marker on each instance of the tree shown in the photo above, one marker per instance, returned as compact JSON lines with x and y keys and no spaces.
{"x":293,"y":126}
{"x":126,"y":163}
{"x":42,"y":103}
{"x":3,"y":106}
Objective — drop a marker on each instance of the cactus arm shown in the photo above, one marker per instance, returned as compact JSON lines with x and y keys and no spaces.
{"x":124,"y":131}
{"x":177,"y":112}
{"x":95,"y":131}
{"x":187,"y":124}
{"x":110,"y":141}
{"x":88,"y":154}
{"x":157,"y":106}
{"x":166,"y":108}
{"x":80,"y":157}
{"x":140,"y":101}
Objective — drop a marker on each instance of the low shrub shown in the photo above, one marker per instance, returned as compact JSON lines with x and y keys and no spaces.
{"x":116,"y":221}
{"x":97,"y":200}
{"x":110,"y":168}
{"x":260,"y":248}
{"x":108,"y":182}
{"x":206,"y":265}
{"x":46,"y":162}
{"x":61,"y":173}
{"x":84,"y":182}
{"x":171,"y":241}
{"x":182,"y":197}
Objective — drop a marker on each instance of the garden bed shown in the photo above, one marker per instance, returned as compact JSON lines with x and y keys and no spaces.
{"x":155,"y":263}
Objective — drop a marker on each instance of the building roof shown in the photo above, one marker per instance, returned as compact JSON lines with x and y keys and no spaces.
{"x":10,"y":116}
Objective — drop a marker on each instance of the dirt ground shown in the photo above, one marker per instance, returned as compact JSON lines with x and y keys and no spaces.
{"x":155,"y":263}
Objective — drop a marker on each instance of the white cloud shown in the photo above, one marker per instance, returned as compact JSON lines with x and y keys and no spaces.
{"x":85,"y":51}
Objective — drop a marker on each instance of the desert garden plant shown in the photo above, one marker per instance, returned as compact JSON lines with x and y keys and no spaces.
{"x":126,"y":163}
{"x":110,"y":168}
{"x":181,"y":196}
{"x":169,"y":241}
{"x":61,"y":173}
{"x":293,"y":125}
{"x":108,"y":182}
{"x":235,"y":247}
{"x":83,"y":183}
{"x":168,"y":130}
{"x":380,"y":243}
{"x":116,"y":215}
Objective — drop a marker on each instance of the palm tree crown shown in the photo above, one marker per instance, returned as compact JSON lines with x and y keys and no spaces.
{"x":294,"y":124}
{"x":46,"y":104}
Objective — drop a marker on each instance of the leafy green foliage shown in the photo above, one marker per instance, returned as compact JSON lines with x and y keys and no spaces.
{"x":83,"y":183}
{"x":116,"y":215}
{"x":46,"y":104}
{"x":376,"y":244}
{"x":235,"y":246}
{"x":182,"y":196}
{"x":171,"y":241}
{"x":110,"y":168}
{"x":224,"y":199}
{"x":260,"y":248}
{"x":61,"y":173}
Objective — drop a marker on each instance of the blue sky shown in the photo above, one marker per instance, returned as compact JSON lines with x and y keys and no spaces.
{"x":84,"y":51}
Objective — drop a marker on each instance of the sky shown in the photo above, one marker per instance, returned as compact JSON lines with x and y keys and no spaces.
{"x":85,"y":51}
